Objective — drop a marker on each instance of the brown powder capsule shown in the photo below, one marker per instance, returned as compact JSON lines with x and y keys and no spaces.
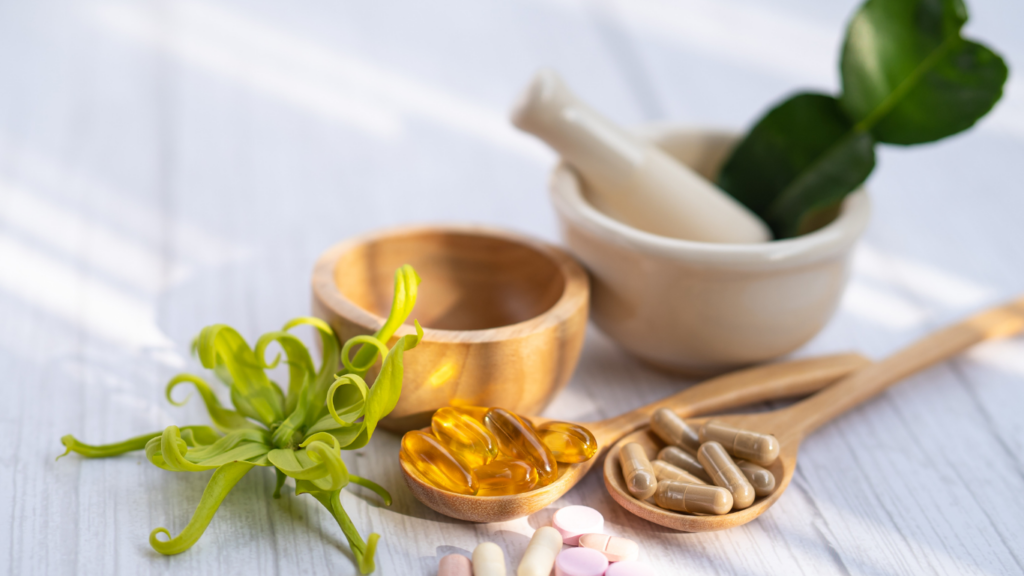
{"x":760,"y":478}
{"x":761,"y":449}
{"x":665,"y":471}
{"x":725,"y":473}
{"x":693,"y":498}
{"x":674,"y":430}
{"x":683,"y":460}
{"x":637,"y":470}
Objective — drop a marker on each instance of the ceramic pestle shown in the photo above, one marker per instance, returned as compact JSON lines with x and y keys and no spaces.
{"x":628,"y":178}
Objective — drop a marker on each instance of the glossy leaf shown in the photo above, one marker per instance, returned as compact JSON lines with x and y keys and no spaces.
{"x":803,"y":157}
{"x":221,"y":483}
{"x":908,"y":75}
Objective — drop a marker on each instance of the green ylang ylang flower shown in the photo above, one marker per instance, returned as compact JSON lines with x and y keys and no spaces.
{"x":299,"y":433}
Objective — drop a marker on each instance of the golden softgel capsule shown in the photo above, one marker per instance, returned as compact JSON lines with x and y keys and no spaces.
{"x":475,"y":412}
{"x":761,"y":449}
{"x":725,"y":473}
{"x":518,"y":441}
{"x":436,"y":464}
{"x":692,"y":498}
{"x":674,"y":430}
{"x":637,"y":471}
{"x":503,"y":477}
{"x":687,"y":462}
{"x":760,"y":478}
{"x":570,"y":443}
{"x":464,"y":436}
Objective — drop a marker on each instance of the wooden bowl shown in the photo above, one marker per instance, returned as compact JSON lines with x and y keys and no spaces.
{"x":503,"y":315}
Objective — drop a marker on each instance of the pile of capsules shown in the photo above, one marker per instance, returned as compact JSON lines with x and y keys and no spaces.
{"x":696,"y":472}
{"x":493,"y":452}
{"x":590,"y":552}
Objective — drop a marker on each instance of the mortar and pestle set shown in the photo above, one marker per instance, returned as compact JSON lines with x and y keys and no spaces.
{"x":680,"y":275}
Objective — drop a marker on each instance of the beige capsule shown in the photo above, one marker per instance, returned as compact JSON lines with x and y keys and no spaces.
{"x":665,"y":471}
{"x":761,"y":449}
{"x":760,"y":478}
{"x":725,"y":473}
{"x":693,"y":498}
{"x":637,"y":470}
{"x":685,"y":461}
{"x":674,"y":430}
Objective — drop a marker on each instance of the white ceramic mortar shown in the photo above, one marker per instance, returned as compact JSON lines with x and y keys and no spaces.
{"x":702,"y":308}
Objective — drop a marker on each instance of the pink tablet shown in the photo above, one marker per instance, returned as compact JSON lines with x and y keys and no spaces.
{"x":580,"y":562}
{"x":629,"y":568}
{"x":615,"y":549}
{"x":573,"y":521}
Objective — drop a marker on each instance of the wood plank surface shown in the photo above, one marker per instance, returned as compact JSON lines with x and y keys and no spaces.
{"x":168,"y":165}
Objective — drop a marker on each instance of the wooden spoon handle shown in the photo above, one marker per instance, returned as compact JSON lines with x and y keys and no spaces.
{"x":806,"y":416}
{"x":740,"y":388}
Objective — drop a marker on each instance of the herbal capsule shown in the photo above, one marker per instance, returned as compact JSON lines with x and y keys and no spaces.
{"x":465,"y":436}
{"x":724,"y":473}
{"x":674,"y":430}
{"x":435,"y":463}
{"x":637,"y":470}
{"x":683,"y":460}
{"x":760,"y":478}
{"x":518,"y":441}
{"x":665,"y":471}
{"x":502,"y":477}
{"x":761,"y":449}
{"x":570,"y":443}
{"x":693,"y":498}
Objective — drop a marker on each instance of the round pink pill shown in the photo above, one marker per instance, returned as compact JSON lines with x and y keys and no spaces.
{"x":629,"y":568}
{"x":580,"y":562}
{"x":574,"y":521}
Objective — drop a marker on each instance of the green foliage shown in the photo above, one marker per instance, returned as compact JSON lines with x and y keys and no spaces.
{"x":908,"y":77}
{"x":299,"y":433}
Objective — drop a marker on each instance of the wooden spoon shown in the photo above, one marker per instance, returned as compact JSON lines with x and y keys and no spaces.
{"x":792,"y":424}
{"x":782,"y":380}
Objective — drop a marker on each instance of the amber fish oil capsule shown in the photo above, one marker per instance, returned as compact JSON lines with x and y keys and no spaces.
{"x":693,"y":498}
{"x":684,"y":461}
{"x":724,"y":473}
{"x":674,"y":430}
{"x":464,"y":436}
{"x":436,"y":464}
{"x":761,"y":449}
{"x":760,"y":478}
{"x":503,"y":477}
{"x":570,"y":443}
{"x":665,"y":471}
{"x":475,"y":412}
{"x":637,"y":471}
{"x":518,"y":441}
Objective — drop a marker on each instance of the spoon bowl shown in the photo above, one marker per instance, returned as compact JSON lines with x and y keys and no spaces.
{"x":792,"y":424}
{"x":768,"y":382}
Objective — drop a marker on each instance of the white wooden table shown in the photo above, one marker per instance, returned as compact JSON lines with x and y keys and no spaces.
{"x":167,"y":165}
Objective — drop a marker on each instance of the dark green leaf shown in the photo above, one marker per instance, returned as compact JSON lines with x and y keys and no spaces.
{"x":908,"y":75}
{"x":802,"y":157}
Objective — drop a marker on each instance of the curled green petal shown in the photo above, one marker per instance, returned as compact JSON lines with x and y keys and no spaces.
{"x":368,"y":340}
{"x":223,"y":345}
{"x":353,"y":405}
{"x":224,"y":419}
{"x":371,"y":485}
{"x":105,"y":450}
{"x":366,"y":563}
{"x":321,"y":437}
{"x":406,"y":283}
{"x":222,"y":481}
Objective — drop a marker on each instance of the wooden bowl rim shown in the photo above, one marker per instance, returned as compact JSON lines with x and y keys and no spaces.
{"x":574,"y":294}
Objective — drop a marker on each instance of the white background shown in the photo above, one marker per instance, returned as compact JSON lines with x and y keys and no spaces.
{"x":167,"y":165}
